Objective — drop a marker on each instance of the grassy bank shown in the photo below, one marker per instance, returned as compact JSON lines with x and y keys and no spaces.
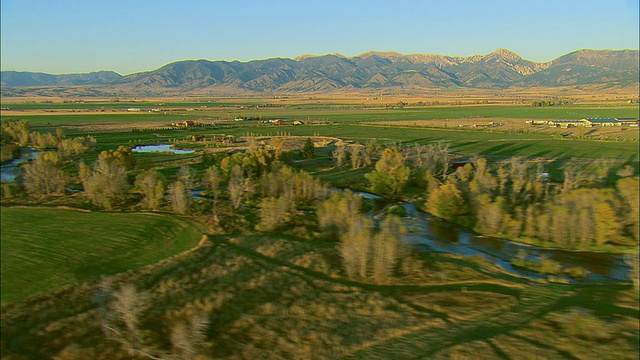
{"x":44,"y":249}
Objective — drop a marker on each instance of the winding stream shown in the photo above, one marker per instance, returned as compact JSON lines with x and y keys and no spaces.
{"x":429,"y":232}
{"x":10,"y":170}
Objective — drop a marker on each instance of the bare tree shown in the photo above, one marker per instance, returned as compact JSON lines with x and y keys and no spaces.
{"x":386,"y":248}
{"x":180,"y":197}
{"x":189,"y":338}
{"x":213,"y":179}
{"x":355,"y":154}
{"x":274,"y":212}
{"x":121,"y":320}
{"x":239,"y":187}
{"x":355,"y":247}
{"x":149,"y":183}
{"x":339,"y":155}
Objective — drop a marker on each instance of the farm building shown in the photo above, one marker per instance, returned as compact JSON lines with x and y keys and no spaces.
{"x":185,"y":123}
{"x":568,"y":123}
{"x":602,"y":121}
{"x":628,"y":121}
{"x":586,"y":122}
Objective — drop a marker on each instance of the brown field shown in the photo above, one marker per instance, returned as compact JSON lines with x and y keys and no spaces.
{"x":589,"y":94}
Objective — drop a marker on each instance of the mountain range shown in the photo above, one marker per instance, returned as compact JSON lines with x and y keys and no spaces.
{"x":500,"y":69}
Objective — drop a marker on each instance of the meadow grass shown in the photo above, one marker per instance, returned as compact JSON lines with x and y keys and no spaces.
{"x":282,"y":297}
{"x":44,"y":249}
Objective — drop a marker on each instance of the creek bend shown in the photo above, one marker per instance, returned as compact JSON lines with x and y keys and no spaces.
{"x":429,"y":233}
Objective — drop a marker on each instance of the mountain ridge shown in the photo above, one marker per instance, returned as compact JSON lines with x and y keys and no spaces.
{"x":499,"y":69}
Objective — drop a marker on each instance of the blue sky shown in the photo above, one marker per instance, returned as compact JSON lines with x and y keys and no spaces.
{"x":126,"y":36}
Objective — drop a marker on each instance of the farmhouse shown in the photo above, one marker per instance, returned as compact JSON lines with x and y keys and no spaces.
{"x":185,"y":123}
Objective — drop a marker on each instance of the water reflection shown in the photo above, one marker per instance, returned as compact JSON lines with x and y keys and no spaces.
{"x":443,"y":236}
{"x":160,"y":148}
{"x":11,"y":170}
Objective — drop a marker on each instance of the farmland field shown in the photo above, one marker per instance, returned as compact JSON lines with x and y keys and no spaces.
{"x":44,"y":249}
{"x":286,"y":291}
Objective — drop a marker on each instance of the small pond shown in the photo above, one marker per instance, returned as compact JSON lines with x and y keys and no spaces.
{"x":160,"y":148}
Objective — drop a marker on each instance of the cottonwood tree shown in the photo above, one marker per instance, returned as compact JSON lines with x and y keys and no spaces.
{"x":448,"y":203}
{"x":239,"y":187}
{"x":76,"y":146}
{"x":121,"y":311}
{"x":187,"y":176}
{"x":43,"y":141}
{"x":277,"y":144}
{"x":121,"y":320}
{"x":44,"y":175}
{"x":335,"y":213}
{"x":355,"y":247}
{"x":355,"y":155}
{"x":179,"y":197}
{"x":386,"y":248}
{"x":368,"y":254}
{"x":489,"y":214}
{"x":212,"y":179}
{"x":16,"y":131}
{"x":188,"y":338}
{"x":107,"y":183}
{"x":370,"y":150}
{"x":390,"y":174}
{"x":150,"y":184}
{"x":437,"y":157}
{"x":274,"y":212}
{"x":339,"y":155}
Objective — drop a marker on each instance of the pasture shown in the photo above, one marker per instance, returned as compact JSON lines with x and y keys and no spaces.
{"x":273,"y":296}
{"x":286,"y":294}
{"x":45,"y":249}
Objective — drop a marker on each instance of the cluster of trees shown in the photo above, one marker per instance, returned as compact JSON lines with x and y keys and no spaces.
{"x":370,"y":253}
{"x":367,"y":252}
{"x":558,"y":102}
{"x":19,"y":132}
{"x":515,"y":199}
{"x":356,"y":155}
{"x":106,"y":183}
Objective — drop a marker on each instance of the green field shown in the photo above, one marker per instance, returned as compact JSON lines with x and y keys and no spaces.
{"x":342,"y":114}
{"x":287,"y":293}
{"x":44,"y":249}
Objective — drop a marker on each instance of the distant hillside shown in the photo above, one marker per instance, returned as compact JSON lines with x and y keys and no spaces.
{"x":373,"y":70}
{"x":16,"y":78}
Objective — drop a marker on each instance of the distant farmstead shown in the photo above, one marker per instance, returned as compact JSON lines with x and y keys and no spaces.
{"x":186,"y":123}
{"x":603,"y":122}
{"x":586,"y":122}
